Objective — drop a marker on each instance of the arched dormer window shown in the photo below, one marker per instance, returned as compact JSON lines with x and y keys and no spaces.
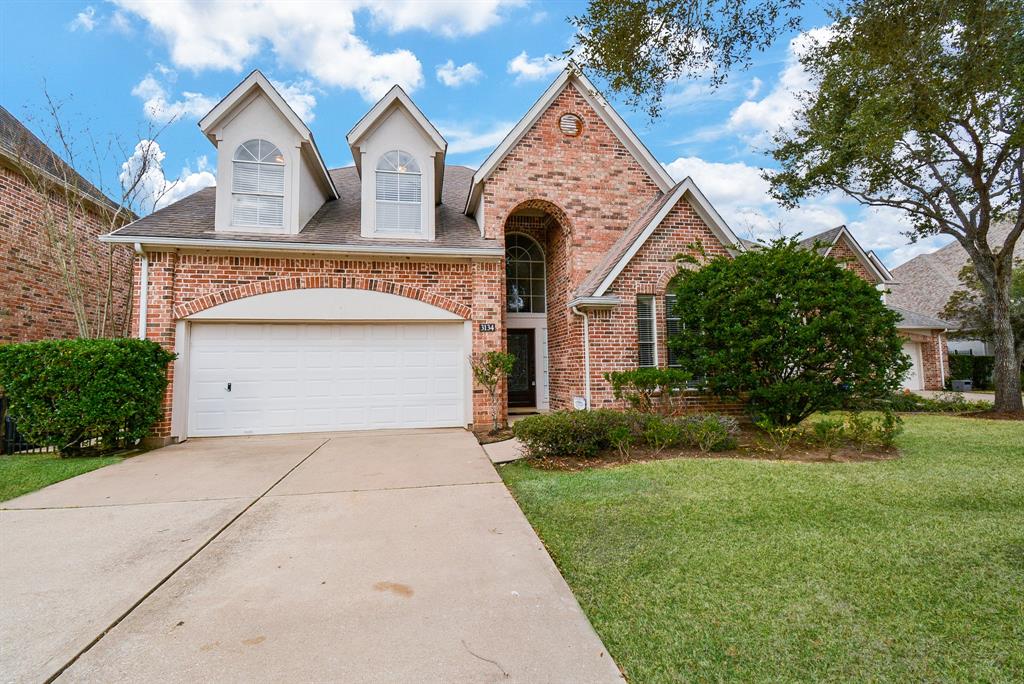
{"x":524,"y":275}
{"x":257,"y":185}
{"x":399,"y":198}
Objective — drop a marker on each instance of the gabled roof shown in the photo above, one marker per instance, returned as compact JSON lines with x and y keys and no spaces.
{"x":397,"y":97}
{"x":22,"y":146}
{"x":241,"y":93}
{"x":571,"y":74}
{"x":824,"y":242}
{"x":626,"y":247}
{"x":915,"y":320}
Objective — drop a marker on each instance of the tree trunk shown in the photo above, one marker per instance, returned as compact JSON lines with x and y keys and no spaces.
{"x":1006,"y":372}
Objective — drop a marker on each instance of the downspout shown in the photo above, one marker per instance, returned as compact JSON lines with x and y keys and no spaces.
{"x":942,"y":363}
{"x":586,"y":353}
{"x":143,"y":289}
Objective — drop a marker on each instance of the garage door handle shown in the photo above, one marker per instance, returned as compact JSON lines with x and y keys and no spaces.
{"x":229,"y":387}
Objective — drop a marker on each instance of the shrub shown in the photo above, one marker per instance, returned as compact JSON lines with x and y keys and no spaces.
{"x":711,"y":432}
{"x":649,"y":390}
{"x":587,"y":433}
{"x":977,"y":369}
{"x":828,"y":433}
{"x":64,"y":393}
{"x":780,"y":437}
{"x":569,"y":433}
{"x":790,"y":330}
{"x":860,"y":430}
{"x":946,"y":402}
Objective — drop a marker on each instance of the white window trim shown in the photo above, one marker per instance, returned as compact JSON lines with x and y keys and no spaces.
{"x":654,"y":330}
{"x":233,"y":193}
{"x":421,"y":232}
{"x":544,"y":278}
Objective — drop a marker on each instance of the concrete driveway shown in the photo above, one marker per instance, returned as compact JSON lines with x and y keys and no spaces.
{"x":365,"y":557}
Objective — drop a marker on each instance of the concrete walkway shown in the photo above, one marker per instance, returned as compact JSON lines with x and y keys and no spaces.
{"x":969,"y":396}
{"x":366,"y":557}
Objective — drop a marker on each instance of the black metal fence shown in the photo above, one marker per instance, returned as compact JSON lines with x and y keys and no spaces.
{"x":11,"y":441}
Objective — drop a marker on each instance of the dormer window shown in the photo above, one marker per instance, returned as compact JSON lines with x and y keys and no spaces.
{"x":399,"y":196}
{"x":257,"y":186}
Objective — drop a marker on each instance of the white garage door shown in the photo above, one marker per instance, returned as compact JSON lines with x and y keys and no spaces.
{"x":912,"y":380}
{"x":250,"y":378}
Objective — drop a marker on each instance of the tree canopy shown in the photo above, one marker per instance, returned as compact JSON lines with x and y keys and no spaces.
{"x":789,"y":329}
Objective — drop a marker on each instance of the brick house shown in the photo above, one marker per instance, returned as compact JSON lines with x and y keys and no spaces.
{"x":34,"y":302}
{"x":924,"y":335}
{"x":301,"y":298}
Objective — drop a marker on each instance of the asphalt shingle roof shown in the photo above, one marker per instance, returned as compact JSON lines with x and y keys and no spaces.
{"x":913,"y":319}
{"x":19,"y":143}
{"x":926,"y":282}
{"x":336,"y":223}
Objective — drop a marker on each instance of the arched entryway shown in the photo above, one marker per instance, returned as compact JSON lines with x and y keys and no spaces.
{"x":536,"y":290}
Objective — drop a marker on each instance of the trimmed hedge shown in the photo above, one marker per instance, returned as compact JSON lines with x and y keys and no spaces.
{"x":978,"y":369}
{"x":66,"y":393}
{"x":587,"y":434}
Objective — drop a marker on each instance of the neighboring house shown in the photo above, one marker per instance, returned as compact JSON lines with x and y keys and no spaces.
{"x":34,"y":302}
{"x":925,"y":335}
{"x":301,"y":298}
{"x":926,"y":282}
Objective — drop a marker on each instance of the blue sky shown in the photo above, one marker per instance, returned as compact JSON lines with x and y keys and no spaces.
{"x":474,"y":68}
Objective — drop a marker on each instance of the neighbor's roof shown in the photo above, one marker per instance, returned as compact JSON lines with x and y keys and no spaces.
{"x":824,"y":242}
{"x":336,"y":223}
{"x":926,"y":282}
{"x":914,"y":319}
{"x":20,"y":144}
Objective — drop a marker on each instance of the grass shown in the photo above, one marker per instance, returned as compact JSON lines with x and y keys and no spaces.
{"x":728,"y":570}
{"x":26,"y":473}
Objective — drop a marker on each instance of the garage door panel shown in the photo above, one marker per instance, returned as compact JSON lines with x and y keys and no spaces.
{"x":309,"y":377}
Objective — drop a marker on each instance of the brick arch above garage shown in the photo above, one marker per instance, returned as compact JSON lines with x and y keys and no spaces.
{"x":283,"y":284}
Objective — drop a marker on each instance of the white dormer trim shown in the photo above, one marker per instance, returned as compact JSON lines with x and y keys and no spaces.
{"x":685,"y":189}
{"x":366,"y":125}
{"x":242,"y":94}
{"x":571,"y":74}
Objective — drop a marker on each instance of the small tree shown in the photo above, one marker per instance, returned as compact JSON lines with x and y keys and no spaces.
{"x":489,"y":369}
{"x":789,"y":329}
{"x":967,"y":307}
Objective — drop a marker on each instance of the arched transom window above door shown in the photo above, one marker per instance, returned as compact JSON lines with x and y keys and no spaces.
{"x":525,"y":286}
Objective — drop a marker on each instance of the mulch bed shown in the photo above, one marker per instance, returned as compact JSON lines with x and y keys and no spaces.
{"x":751,"y":447}
{"x":489,"y":437}
{"x":995,"y":415}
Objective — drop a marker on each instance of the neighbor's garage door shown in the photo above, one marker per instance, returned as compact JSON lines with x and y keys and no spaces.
{"x":247,"y":378}
{"x":912,"y":380}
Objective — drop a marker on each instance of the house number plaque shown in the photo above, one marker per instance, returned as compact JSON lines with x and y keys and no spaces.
{"x":488,"y":327}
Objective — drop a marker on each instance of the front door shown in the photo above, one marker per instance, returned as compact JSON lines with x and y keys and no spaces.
{"x":522,"y":383}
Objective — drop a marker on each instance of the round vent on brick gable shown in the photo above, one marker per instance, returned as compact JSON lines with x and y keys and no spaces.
{"x":570,"y":124}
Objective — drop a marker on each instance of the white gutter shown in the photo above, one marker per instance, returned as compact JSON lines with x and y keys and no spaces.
{"x":387,"y":250}
{"x":143,"y":289}
{"x":586,"y":353}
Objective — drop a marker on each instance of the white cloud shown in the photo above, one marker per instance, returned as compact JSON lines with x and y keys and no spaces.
{"x":463,"y":138}
{"x":455,"y":76}
{"x":120,"y":22}
{"x":308,"y":36}
{"x":755,"y":121}
{"x":300,"y":96}
{"x":85,"y":20}
{"x":449,"y":18}
{"x":740,"y":194}
{"x":526,"y":68}
{"x":158,"y":105}
{"x":155,"y":191}
{"x":538,"y":17}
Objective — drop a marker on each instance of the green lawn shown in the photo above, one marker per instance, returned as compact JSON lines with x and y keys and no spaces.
{"x":727,"y":570}
{"x":23,"y":474}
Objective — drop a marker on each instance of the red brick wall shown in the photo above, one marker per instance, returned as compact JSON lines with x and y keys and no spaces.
{"x":591,"y":188}
{"x":613,"y":334}
{"x":34,"y":302}
{"x":844,"y":254}
{"x":186,"y":283}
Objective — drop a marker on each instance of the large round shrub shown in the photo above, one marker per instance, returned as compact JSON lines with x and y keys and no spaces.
{"x":64,"y":393}
{"x":790,"y":330}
